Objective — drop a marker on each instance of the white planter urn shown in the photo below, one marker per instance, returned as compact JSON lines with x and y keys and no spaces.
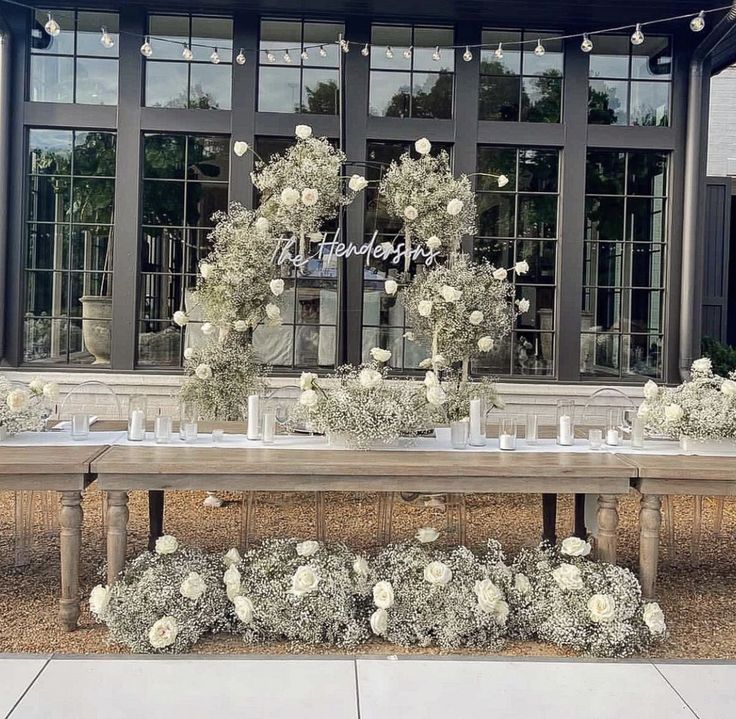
{"x":96,"y":327}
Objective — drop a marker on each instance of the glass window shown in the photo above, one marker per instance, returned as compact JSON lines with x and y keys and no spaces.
{"x":630,"y":84}
{"x":173,"y":81}
{"x":185,"y":181}
{"x":298,"y":67}
{"x":412,"y":71}
{"x":624,"y":264}
{"x":515,"y":82}
{"x":74,"y":66}
{"x":69,"y":241}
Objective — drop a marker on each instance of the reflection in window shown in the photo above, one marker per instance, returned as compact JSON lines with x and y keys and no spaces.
{"x":411,"y":75}
{"x":515,"y":83}
{"x":624,"y":263}
{"x":630,"y":84}
{"x":298,"y":67}
{"x":74,"y":66}
{"x":172,"y":81}
{"x":69,"y":239}
{"x":185,"y":181}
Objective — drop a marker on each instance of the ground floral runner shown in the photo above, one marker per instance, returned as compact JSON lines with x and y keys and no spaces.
{"x":411,"y":594}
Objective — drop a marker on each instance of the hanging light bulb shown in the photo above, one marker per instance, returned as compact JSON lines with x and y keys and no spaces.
{"x":389,"y":52}
{"x":698,"y":22}
{"x":287,"y":57}
{"x":637,"y":38}
{"x":146,"y":48}
{"x":322,"y":51}
{"x":240,"y":57}
{"x":499,"y":51}
{"x":539,"y":49}
{"x":187,"y":53}
{"x":467,"y":55}
{"x":436,"y":54}
{"x":270,"y":56}
{"x":106,"y":40}
{"x":52,"y":27}
{"x":587,"y":44}
{"x":215,"y":57}
{"x":305,"y":55}
{"x":365,"y":51}
{"x":407,"y":53}
{"x":345,"y":46}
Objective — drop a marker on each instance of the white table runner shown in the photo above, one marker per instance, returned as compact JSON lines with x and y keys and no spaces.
{"x":57,"y":438}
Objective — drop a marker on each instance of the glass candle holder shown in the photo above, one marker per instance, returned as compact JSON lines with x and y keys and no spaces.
{"x":137,"y":418}
{"x":162,"y":429}
{"x":565,"y":422}
{"x":507,"y":433}
{"x":80,"y":426}
{"x":595,"y":438}
{"x":268,"y":433}
{"x":637,"y":432}
{"x":613,"y":428}
{"x":477,"y":431}
{"x":459,"y":431}
{"x":532,"y":429}
{"x":188,"y":421}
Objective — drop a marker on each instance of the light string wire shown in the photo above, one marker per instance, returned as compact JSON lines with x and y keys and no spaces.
{"x":344,"y":44}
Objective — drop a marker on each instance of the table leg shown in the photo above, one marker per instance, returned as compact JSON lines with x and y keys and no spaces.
{"x":70,"y":541}
{"x":579,"y":529}
{"x":385,"y":516}
{"x":607,"y":526}
{"x":247,"y":507}
{"x":117,"y":533}
{"x":456,"y":517}
{"x":697,"y":528}
{"x":549,"y":518}
{"x":155,"y":517}
{"x":321,"y":528}
{"x":650,"y":519}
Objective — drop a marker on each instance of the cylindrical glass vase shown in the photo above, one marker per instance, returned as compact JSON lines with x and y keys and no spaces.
{"x":162,"y":429}
{"x":137,"y":418}
{"x":507,"y":433}
{"x":477,"y":428}
{"x":613,"y":428}
{"x":565,"y":422}
{"x":459,"y":431}
{"x":188,"y":421}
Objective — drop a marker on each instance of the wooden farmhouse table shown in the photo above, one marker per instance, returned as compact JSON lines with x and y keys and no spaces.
{"x":124,"y":468}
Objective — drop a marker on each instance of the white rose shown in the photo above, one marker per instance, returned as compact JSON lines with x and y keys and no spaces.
{"x":651,"y":390}
{"x":410,"y":212}
{"x":232,"y":557}
{"x":437,"y":573}
{"x":380,"y":355}
{"x":163,"y":633}
{"x":36,"y":386}
{"x":231,"y":577}
{"x":423,"y":146}
{"x":273,"y":313}
{"x":357,"y":183}
{"x":243,"y":609}
{"x":51,"y":391}
{"x":369,"y":378}
{"x":308,"y":548}
{"x":309,"y":196}
{"x":500,"y":274}
{"x":188,"y":353}
{"x":431,"y":379}
{"x":305,"y":580}
{"x":425,"y":535}
{"x":303,"y":131}
{"x":436,"y":395}
{"x":521,"y":268}
{"x":203,"y":371}
{"x":450,"y":293}
{"x":193,"y":586}
{"x":383,"y":595}
{"x":502,"y":181}
{"x":167,"y":544}
{"x":240,"y":148}
{"x":409,"y":336}
{"x":308,"y":398}
{"x":240,"y":325}
{"x":601,"y":608}
{"x":523,"y":305}
{"x":262,"y":224}
{"x":575,"y":547}
{"x":434,"y":243}
{"x":476,"y":317}
{"x":485,"y":344}
{"x":180,"y":318}
{"x":360,"y":566}
{"x":233,"y":590}
{"x":643,"y":411}
{"x":306,"y":381}
{"x":16,"y":400}
{"x":379,"y":621}
{"x":99,"y":599}
{"x":488,"y":595}
{"x":702,"y":366}
{"x":208,"y":328}
{"x":673,"y":412}
{"x":654,"y":618}
{"x":454,"y":207}
{"x":276,"y":287}
{"x":424,"y":308}
{"x":728,"y":388}
{"x":391,"y":287}
{"x":501,"y":613}
{"x":568,"y":577}
{"x":522,"y":584}
{"x":205,"y":269}
{"x":289,"y":197}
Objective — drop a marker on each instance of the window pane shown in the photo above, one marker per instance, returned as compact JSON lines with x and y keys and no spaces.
{"x":325,"y":34}
{"x":537,"y":216}
{"x":203,"y":200}
{"x":51,"y":151}
{"x":647,"y":266}
{"x":166,"y":84}
{"x":159,"y":344}
{"x":538,"y":171}
{"x":210,"y":86}
{"x":426,"y":39}
{"x":499,"y":253}
{"x":278,"y":89}
{"x":432,"y":95}
{"x":93,"y":200}
{"x":320,"y":93}
{"x":496,"y":161}
{"x":163,"y":203}
{"x":48,"y":247}
{"x":499,"y":98}
{"x":174,"y":29}
{"x":607,"y":311}
{"x":49,"y":198}
{"x":541,"y":99}
{"x":391,"y":339}
{"x":161,"y":250}
{"x":97,"y":81}
{"x":91,"y":249}
{"x":645,"y":355}
{"x":650,"y":103}
{"x":533,"y":353}
{"x":51,"y":79}
{"x":652,"y":59}
{"x":390,"y":94}
{"x":215,"y":31}
{"x":645,"y":220}
{"x":163,"y":156}
{"x":600,"y":354}
{"x":398,"y":38}
{"x":647,"y":173}
{"x":605,"y":172}
{"x":603,"y":264}
{"x":496,"y":215}
{"x":550,"y":64}
{"x":208,"y":158}
{"x":274,"y":345}
{"x":541,"y":259}
{"x":277,"y":35}
{"x":94,"y":154}
{"x":63,"y":43}
{"x":604,"y":219}
{"x":510,"y":62}
{"x":497,"y":361}
{"x":89,"y":25}
{"x":607,"y":102}
{"x":646,"y":310}
{"x":610,"y":56}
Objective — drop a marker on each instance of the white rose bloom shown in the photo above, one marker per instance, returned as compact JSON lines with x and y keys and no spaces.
{"x":391,"y":287}
{"x":203,"y":371}
{"x":454,"y":207}
{"x":568,"y":577}
{"x":410,"y":212}
{"x":309,"y":196}
{"x":702,"y":366}
{"x":306,"y":381}
{"x":36,"y":386}
{"x":521,"y":268}
{"x":168,"y":544}
{"x":410,"y":336}
{"x":51,"y":391}
{"x":304,"y":581}
{"x":163,"y":633}
{"x":240,"y":148}
{"x":308,"y":548}
{"x":360,"y":566}
{"x":262,"y":224}
{"x":476,"y":317}
{"x":602,"y":608}
{"x":16,"y":400}
{"x":673,"y":412}
{"x":380,"y":355}
{"x":485,"y":344}
{"x":450,"y":294}
{"x":308,"y":398}
{"x":651,"y":390}
{"x":437,"y":573}
{"x":276,"y":286}
{"x":425,"y":535}
{"x":500,"y":274}
{"x":243,"y":609}
{"x":643,"y":411}
{"x":289,"y":197}
{"x":654,"y":618}
{"x":99,"y":599}
{"x":240,"y":325}
{"x":575,"y":547}
{"x":193,"y":586}
{"x":180,"y":318}
{"x":273,"y":313}
{"x":383,"y":595}
{"x":434,"y":243}
{"x":188,"y":353}
{"x":357,"y":183}
{"x":436,"y":396}
{"x":501,"y":613}
{"x":303,"y":131}
{"x":208,"y":328}
{"x":379,"y":621}
{"x":205,"y":269}
{"x":488,"y":595}
{"x":424,"y":308}
{"x":522,"y":584}
{"x":729,"y":388}
{"x":369,"y":378}
{"x":502,"y":181}
{"x":232,"y":557}
{"x":233,"y":590}
{"x":523,"y":305}
{"x":423,"y":146}
{"x":231,"y":576}
{"x":431,"y":379}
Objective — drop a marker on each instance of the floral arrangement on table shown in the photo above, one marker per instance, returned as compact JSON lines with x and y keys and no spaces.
{"x":449,"y":394}
{"x":410,"y":594}
{"x":703,"y":408}
{"x":360,"y":407}
{"x":25,"y":410}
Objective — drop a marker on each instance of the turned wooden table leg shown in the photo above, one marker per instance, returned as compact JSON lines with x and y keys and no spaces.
{"x":117,"y":533}
{"x":247,"y":510}
{"x":70,"y":541}
{"x":650,"y":519}
{"x":549,"y":518}
{"x":385,"y":518}
{"x":607,"y":526}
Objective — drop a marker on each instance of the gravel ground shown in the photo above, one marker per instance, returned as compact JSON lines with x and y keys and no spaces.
{"x":697,"y":595}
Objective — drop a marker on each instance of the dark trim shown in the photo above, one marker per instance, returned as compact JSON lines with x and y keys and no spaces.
{"x":160,"y":119}
{"x":80,"y":117}
{"x":537,"y":134}
{"x":282,"y":124}
{"x":631,"y":138}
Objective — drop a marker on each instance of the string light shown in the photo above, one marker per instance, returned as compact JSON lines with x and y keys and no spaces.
{"x":365,"y":51}
{"x":322,"y":51}
{"x":187,"y":53}
{"x":106,"y":40}
{"x":436,"y":54}
{"x":305,"y":55}
{"x":697,"y":24}
{"x":270,"y":56}
{"x":539,"y":49}
{"x":407,"y":52}
{"x":287,"y":57}
{"x":499,"y":51}
{"x":467,"y":55}
{"x":146,"y":48}
{"x":215,"y":57}
{"x":587,"y":44}
{"x":240,"y":57}
{"x":637,"y":38}
{"x":344,"y":45}
{"x":52,"y":27}
{"x":389,"y":52}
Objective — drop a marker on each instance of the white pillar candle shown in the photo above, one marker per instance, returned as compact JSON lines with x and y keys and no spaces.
{"x":612,"y":437}
{"x":507,"y":441}
{"x":269,"y":426}
{"x":137,"y":425}
{"x":565,"y":430}
{"x":477,"y":435}
{"x":253,"y":416}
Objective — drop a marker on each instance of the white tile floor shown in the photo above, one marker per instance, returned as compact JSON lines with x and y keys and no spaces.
{"x":366,"y":688}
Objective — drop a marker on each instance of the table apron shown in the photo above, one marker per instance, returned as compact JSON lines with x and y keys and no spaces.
{"x":699,"y":487}
{"x":44,"y":482}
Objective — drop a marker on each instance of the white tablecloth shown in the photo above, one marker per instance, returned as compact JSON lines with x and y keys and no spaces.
{"x":58,"y":438}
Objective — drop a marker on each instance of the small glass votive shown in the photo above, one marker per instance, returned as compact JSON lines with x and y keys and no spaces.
{"x":637,"y":432}
{"x":162,"y":429}
{"x":532,"y":429}
{"x":459,"y":431}
{"x":613,"y":430}
{"x":137,"y":418}
{"x":218,"y":436}
{"x":595,"y":438}
{"x":507,"y":433}
{"x":80,"y":426}
{"x":268,"y":432}
{"x":188,"y":422}
{"x":189,"y":431}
